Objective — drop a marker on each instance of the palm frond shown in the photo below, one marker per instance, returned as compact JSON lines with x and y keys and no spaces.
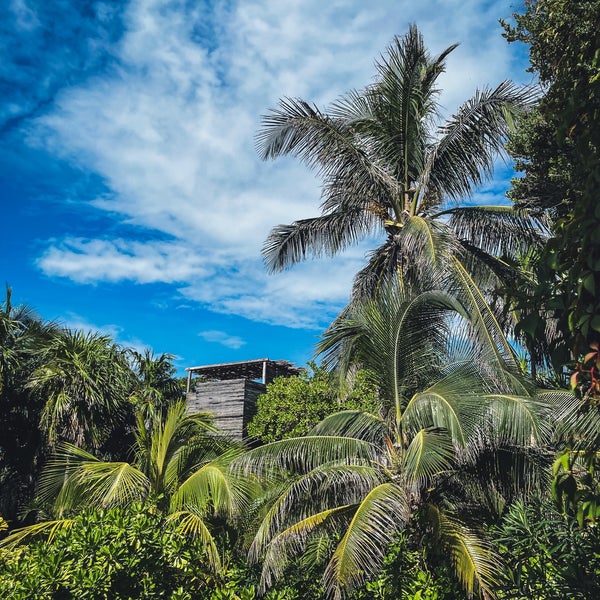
{"x":516,"y":420}
{"x":359,"y":554}
{"x":215,"y":487}
{"x":304,"y":454}
{"x":353,"y":423}
{"x":429,"y":453}
{"x":497,"y":230}
{"x":291,"y":542}
{"x":454,"y":403}
{"x":46,"y":528}
{"x":473,"y":559}
{"x":190,"y":523}
{"x":315,"y":492}
{"x":496,"y":349}
{"x":471,"y":140}
{"x":322,"y":236}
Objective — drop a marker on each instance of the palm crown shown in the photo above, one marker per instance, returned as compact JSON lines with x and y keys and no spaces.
{"x":386,"y":164}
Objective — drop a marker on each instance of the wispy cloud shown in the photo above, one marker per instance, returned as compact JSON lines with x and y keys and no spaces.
{"x":223,"y":338}
{"x":167,"y":120}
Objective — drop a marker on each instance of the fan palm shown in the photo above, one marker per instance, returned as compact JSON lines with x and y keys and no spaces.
{"x":83,"y":380}
{"x":452,"y":423}
{"x":389,"y":167}
{"x":181,"y":467}
{"x":155,"y":386}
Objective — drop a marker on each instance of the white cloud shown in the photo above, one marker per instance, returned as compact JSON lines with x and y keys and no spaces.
{"x":171,"y":132}
{"x":220,"y":337}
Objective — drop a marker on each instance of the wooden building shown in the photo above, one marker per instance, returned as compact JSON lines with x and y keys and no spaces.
{"x":230,"y":390}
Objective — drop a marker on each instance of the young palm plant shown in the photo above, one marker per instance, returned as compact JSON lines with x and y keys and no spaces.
{"x":181,"y":467}
{"x":457,"y":439}
{"x":389,"y":166}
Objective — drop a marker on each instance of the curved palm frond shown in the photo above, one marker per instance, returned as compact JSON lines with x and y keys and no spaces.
{"x":322,"y":236}
{"x":361,"y":550}
{"x":516,"y":420}
{"x":497,"y":230}
{"x":472,"y":139}
{"x":474,"y":561}
{"x":495,"y":347}
{"x":214,"y":486}
{"x":429,"y":453}
{"x":47,"y":529}
{"x":455,"y":403}
{"x":314,"y":492}
{"x":292,"y":542}
{"x":355,"y":424}
{"x":189,"y":522}
{"x":302,"y":455}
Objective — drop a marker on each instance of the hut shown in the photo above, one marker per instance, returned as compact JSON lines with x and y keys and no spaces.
{"x":230,"y":390}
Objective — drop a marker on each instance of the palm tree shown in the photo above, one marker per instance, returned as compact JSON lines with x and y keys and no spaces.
{"x":83,"y":380}
{"x":155,"y":386}
{"x":388,"y":166}
{"x":455,"y":442}
{"x":181,"y":467}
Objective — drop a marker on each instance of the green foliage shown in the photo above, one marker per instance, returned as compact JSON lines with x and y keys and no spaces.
{"x":547,"y":555}
{"x":292,"y":406}
{"x":559,"y":152}
{"x":119,"y":553}
{"x":407,"y":574}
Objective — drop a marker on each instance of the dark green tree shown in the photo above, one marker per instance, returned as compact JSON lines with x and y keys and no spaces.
{"x":83,"y":381}
{"x":21,"y":443}
{"x":557,"y":149}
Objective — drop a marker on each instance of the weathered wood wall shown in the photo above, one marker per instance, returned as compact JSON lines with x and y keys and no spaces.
{"x":232,"y":402}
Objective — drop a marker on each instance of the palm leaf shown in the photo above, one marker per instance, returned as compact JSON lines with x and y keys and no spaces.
{"x":360,"y":553}
{"x":304,"y":454}
{"x":429,"y":453}
{"x":474,"y":562}
{"x":190,"y":523}
{"x":292,"y":542}
{"x":353,"y":423}
{"x":315,"y":492}
{"x":47,"y":528}
{"x":472,"y":139}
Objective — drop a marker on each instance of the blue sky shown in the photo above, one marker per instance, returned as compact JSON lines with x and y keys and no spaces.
{"x":133,"y":201}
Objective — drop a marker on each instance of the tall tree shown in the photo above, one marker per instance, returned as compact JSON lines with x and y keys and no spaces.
{"x":390,"y":166}
{"x":155,"y":386}
{"x":21,"y":442}
{"x":559,"y":153}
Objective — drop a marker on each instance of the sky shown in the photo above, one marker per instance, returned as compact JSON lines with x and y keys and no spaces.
{"x":133,"y":201}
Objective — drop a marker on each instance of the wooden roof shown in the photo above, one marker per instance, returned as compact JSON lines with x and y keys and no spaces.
{"x":247,"y":369}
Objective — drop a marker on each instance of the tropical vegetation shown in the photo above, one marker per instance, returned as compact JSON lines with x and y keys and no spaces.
{"x":447,"y":444}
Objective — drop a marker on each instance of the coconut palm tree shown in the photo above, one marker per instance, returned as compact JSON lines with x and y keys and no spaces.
{"x":180,"y":466}
{"x":389,"y":166}
{"x":455,"y":442}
